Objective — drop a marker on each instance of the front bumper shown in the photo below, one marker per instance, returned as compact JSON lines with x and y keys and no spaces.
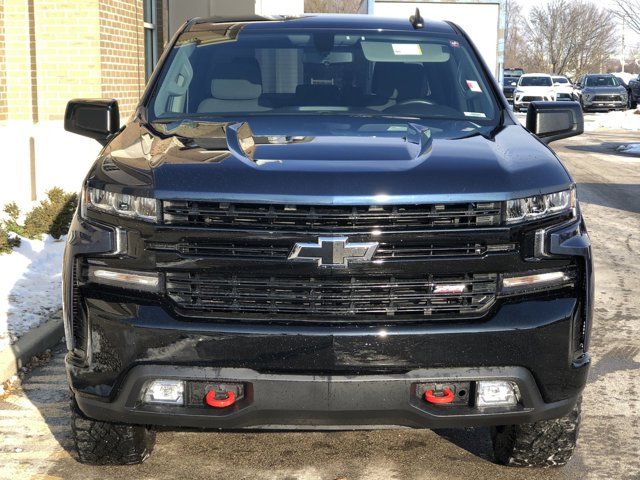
{"x":523,"y":101}
{"x":293,"y":401}
{"x":327,"y":375}
{"x":604,"y":105}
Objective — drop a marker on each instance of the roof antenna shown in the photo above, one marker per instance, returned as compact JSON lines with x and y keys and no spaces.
{"x":416,"y":20}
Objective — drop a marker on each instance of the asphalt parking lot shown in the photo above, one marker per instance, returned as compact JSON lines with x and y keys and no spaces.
{"x":35,"y":437}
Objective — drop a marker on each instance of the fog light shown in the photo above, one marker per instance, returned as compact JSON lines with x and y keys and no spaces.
{"x":165,"y":391}
{"x":148,"y":282}
{"x":497,"y":393}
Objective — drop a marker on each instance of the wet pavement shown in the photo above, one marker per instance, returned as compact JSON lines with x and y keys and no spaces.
{"x":35,"y":437}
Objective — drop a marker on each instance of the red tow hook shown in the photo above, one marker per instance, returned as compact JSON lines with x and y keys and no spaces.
{"x":211,"y":400}
{"x":448,"y":396}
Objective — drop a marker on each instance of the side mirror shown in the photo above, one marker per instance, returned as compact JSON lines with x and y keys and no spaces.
{"x":93,"y":118}
{"x":552,"y":121}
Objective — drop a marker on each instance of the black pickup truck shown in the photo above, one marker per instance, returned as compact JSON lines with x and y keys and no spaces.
{"x":326,"y":222}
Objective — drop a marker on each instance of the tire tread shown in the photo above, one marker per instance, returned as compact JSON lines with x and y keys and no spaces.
{"x":544,"y":444}
{"x":105,"y":443}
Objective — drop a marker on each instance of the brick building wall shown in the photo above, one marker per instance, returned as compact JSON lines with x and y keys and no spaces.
{"x":55,"y":50}
{"x":50,"y":52}
{"x":67,"y":52}
{"x":122,"y":51}
{"x":3,"y":75}
{"x":17,"y":60}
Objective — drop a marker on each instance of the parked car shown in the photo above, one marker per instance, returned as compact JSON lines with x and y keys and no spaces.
{"x":533,"y":87}
{"x":634,"y":87}
{"x":601,"y":92}
{"x":510,"y":81}
{"x":370,"y":238}
{"x":509,"y":85}
{"x":627,"y":87}
{"x":564,"y":88}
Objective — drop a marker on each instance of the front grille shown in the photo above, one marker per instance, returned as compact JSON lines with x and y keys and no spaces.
{"x":332,"y":296}
{"x":280,"y":217}
{"x":532,"y":99}
{"x":607,"y":98}
{"x":262,"y":250}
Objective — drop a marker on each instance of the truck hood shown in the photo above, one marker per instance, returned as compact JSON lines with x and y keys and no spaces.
{"x":231,"y":163}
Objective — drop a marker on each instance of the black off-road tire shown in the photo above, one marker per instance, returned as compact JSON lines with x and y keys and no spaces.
{"x":544,"y":444}
{"x":105,"y":443}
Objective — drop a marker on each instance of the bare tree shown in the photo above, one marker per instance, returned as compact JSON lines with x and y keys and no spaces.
{"x":568,"y":37}
{"x":629,"y":10}
{"x":514,"y":42}
{"x":332,"y":6}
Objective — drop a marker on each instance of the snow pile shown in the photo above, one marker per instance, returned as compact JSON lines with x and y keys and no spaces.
{"x":626,"y":76}
{"x":627,"y":120}
{"x":632,"y":148}
{"x":30,"y":285}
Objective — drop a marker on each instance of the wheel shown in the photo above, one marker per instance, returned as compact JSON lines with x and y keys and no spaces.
{"x":548,"y":443}
{"x":105,"y":443}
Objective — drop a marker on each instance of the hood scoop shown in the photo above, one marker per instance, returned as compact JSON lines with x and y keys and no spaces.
{"x":277,"y":149}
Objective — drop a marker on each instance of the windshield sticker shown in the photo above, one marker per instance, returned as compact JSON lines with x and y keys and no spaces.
{"x":475,"y":114}
{"x":474,"y":86}
{"x":406,"y":49}
{"x":454,"y":44}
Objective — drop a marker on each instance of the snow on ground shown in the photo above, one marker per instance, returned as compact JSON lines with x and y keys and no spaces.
{"x":632,"y":148}
{"x":627,"y":120}
{"x":30,"y":284}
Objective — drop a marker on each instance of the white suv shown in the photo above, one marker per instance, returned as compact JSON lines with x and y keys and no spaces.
{"x":533,"y":87}
{"x":564,"y":88}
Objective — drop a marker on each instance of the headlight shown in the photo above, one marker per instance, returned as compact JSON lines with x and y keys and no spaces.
{"x":130,"y":206}
{"x":588,"y":96}
{"x":540,"y":206}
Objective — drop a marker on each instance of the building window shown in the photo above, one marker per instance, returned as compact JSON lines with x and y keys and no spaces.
{"x":150,"y":38}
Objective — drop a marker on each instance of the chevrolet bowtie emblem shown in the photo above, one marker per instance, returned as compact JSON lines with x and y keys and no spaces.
{"x":333,"y":252}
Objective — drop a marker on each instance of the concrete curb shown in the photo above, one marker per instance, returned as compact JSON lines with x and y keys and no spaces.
{"x":34,"y":342}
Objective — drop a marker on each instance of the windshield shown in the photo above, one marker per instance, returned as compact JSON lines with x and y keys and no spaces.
{"x":560,"y":80}
{"x":309,"y":72}
{"x":601,"y":81}
{"x":536,"y":82}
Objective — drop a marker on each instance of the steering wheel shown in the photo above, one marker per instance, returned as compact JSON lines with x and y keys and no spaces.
{"x":414,"y":101}
{"x":405,"y":105}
